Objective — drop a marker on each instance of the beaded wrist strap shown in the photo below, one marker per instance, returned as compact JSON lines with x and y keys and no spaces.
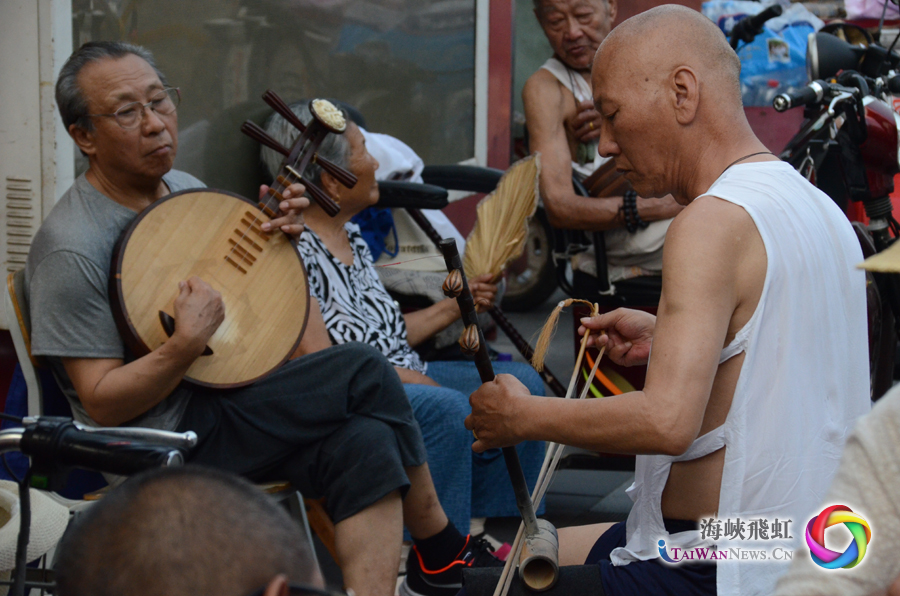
{"x":630,"y":216}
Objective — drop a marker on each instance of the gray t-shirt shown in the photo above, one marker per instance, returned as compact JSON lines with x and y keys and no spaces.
{"x":66,"y":285}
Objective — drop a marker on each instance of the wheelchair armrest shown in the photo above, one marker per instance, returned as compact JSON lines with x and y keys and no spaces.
{"x":467,"y":178}
{"x":411,"y":195}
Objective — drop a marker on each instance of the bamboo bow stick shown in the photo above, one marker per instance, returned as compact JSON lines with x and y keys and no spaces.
{"x":554,"y":450}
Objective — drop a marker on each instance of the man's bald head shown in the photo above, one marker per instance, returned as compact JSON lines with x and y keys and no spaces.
{"x":667,"y":85}
{"x":666,"y":37}
{"x":182,"y":532}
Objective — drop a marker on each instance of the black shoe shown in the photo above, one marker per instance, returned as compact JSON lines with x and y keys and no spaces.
{"x":447,"y":581}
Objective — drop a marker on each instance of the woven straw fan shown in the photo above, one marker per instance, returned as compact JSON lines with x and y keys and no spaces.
{"x":501,"y":224}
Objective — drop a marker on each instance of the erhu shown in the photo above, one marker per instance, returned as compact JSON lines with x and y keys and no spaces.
{"x":536,"y":546}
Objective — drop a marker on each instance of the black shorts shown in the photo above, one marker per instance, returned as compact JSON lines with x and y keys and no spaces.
{"x":336,"y":424}
{"x":640,"y":578}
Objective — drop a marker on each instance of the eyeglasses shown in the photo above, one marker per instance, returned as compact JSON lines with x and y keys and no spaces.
{"x":307,"y":590}
{"x":131,"y":114}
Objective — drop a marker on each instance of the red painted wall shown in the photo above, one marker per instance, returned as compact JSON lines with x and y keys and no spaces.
{"x":629,"y":8}
{"x":500,"y":69}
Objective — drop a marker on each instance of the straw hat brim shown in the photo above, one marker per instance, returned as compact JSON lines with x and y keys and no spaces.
{"x":887,"y":261}
{"x":48,"y":523}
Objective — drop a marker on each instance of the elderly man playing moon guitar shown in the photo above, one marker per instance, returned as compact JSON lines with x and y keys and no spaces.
{"x":335,"y":423}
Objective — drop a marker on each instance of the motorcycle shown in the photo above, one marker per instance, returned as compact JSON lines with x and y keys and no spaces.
{"x":847,"y":146}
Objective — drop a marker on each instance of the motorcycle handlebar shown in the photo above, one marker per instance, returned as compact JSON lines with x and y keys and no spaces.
{"x":893,"y":85}
{"x":165,"y":438}
{"x":94,"y":451}
{"x":59,"y":441}
{"x":748,"y":28}
{"x":812,"y":93}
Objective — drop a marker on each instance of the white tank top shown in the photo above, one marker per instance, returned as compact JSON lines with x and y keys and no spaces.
{"x":581,"y":89}
{"x":803,"y":383}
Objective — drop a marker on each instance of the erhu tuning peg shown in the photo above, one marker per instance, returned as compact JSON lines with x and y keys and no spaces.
{"x":468,"y":341}
{"x":453,"y":285}
{"x":252,"y":130}
{"x":278,"y":104}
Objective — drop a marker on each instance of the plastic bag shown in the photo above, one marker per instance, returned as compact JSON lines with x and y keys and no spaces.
{"x":871,"y":9}
{"x":774,"y":62}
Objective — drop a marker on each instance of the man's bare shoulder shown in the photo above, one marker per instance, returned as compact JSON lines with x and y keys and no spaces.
{"x":710,"y":215}
{"x":709,"y":232}
{"x":542,"y":92}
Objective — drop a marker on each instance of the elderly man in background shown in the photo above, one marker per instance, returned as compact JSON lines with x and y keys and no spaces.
{"x":183,"y":532}
{"x":564,"y":126}
{"x":758,"y":369}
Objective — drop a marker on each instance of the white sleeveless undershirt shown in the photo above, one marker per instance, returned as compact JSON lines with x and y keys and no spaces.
{"x":803,"y":383}
{"x":581,"y":89}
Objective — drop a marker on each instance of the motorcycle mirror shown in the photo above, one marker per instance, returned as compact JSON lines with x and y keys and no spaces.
{"x":826,"y":55}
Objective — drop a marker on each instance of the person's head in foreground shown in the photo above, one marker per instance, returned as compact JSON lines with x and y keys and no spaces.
{"x":184,"y":531}
{"x":575,"y":28}
{"x":667,"y":86}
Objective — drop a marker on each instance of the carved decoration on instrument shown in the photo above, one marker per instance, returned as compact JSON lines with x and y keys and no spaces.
{"x":453,"y":285}
{"x":468,"y":341}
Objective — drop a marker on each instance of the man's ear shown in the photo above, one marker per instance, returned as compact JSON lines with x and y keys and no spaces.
{"x":83,"y":139}
{"x":685,"y":88}
{"x":277,"y":587}
{"x":612,"y":7}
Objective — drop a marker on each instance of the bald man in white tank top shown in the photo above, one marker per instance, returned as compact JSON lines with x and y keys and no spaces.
{"x":759,"y":365}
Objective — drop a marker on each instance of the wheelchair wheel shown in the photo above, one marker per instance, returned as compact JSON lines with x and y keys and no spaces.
{"x":532,"y":278}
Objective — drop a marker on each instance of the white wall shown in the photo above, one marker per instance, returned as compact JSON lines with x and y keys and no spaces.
{"x":36,"y":163}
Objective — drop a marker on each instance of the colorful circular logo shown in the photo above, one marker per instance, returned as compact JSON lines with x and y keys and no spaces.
{"x":815,"y":538}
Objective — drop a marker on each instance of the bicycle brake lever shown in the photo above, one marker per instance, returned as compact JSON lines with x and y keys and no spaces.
{"x":185,"y":440}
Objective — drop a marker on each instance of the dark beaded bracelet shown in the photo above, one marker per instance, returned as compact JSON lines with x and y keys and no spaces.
{"x":630,"y":215}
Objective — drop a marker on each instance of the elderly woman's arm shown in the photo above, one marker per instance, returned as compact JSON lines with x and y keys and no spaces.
{"x":315,"y":337}
{"x":423,"y":324}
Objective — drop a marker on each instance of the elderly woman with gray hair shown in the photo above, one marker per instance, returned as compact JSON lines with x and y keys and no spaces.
{"x":356,"y":307}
